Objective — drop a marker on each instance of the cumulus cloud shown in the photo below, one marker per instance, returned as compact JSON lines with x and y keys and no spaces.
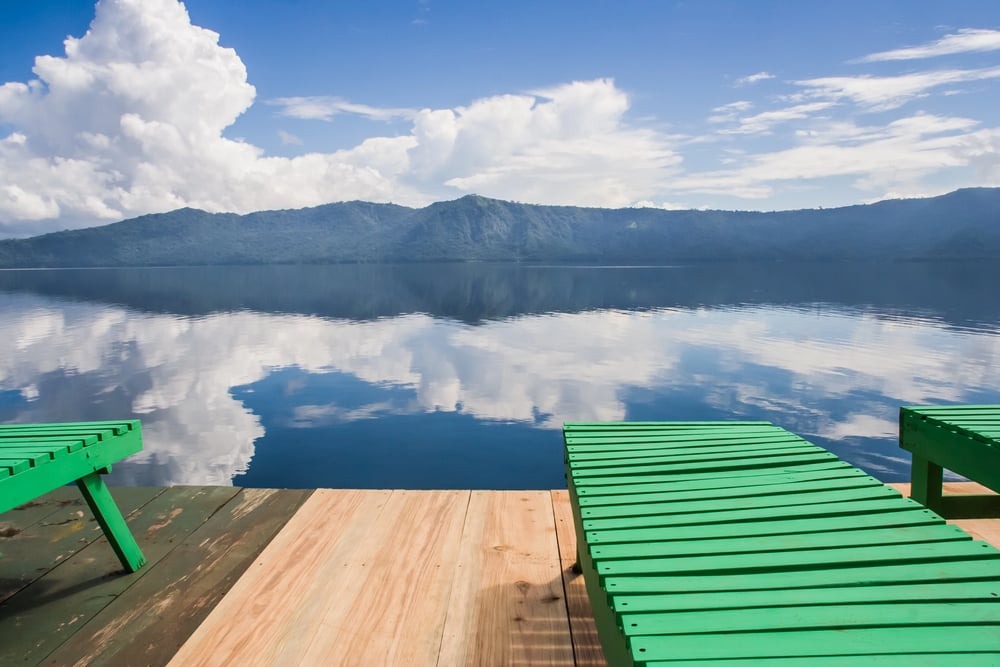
{"x":131,"y":120}
{"x":966,"y":40}
{"x":287,"y":138}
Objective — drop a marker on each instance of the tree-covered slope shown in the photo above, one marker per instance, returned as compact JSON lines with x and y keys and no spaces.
{"x":962,"y":224}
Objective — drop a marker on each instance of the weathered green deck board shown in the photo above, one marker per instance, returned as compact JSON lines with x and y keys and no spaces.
{"x":785,"y":561}
{"x":978,"y":591}
{"x":33,"y":628}
{"x":150,"y":620}
{"x":65,"y":528}
{"x":16,"y":520}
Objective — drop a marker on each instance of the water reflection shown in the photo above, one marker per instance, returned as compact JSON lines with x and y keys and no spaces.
{"x":286,"y":398}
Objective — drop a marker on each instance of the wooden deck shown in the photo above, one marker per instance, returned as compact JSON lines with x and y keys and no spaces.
{"x":261,"y":577}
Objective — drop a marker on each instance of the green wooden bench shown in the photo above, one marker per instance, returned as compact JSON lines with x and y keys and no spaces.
{"x":740,"y":543}
{"x":38,"y":458}
{"x":962,"y":438}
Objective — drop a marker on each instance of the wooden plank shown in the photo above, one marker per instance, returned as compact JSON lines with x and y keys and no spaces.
{"x":406,"y":582}
{"x":147,"y":623}
{"x":586,"y":645}
{"x":65,"y":529}
{"x":32,"y":626}
{"x":15,"y":520}
{"x":506,"y":604}
{"x":356,"y":577}
{"x":280,"y":596}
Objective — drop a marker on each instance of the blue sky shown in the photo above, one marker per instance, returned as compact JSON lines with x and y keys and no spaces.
{"x":154,"y":105}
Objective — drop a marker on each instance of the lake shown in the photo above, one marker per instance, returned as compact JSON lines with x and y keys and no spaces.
{"x":461,"y":375}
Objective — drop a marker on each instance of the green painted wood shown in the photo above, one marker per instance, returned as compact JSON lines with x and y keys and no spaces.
{"x":32,"y":626}
{"x":897,"y":660}
{"x":976,"y":591}
{"x":62,"y":527}
{"x":158,"y":613}
{"x":861,"y":642}
{"x":718,"y":494}
{"x":867,"y":521}
{"x":984,"y":569}
{"x":815,"y":510}
{"x":690,"y":536}
{"x":720,"y":484}
{"x":774,"y":544}
{"x":709,"y":476}
{"x":40,"y":458}
{"x":817,"y":617}
{"x":963,"y":439}
{"x":99,"y":499}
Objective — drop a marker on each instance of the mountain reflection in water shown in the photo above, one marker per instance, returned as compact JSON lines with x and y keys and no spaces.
{"x":460,"y":376}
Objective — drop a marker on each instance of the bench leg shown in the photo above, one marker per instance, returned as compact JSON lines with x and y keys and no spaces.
{"x":111,"y":521}
{"x":925,"y":483}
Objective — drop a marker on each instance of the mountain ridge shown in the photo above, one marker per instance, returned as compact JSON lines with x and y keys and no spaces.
{"x":959,"y":225}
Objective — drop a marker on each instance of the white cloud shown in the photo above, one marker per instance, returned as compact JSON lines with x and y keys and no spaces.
{"x":886,"y":158}
{"x":131,"y":121}
{"x":325,"y":108}
{"x":754,"y":78}
{"x":882,"y":93}
{"x":766,"y":120}
{"x":966,"y":40}
{"x":288,"y":138}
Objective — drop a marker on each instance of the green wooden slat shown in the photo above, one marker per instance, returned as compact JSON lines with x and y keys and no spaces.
{"x":775,"y":478}
{"x":720,"y":466}
{"x":931,"y":571}
{"x":596,"y":484}
{"x":15,"y":466}
{"x":803,"y":643}
{"x":605,"y":552}
{"x":56,"y":447}
{"x":640,"y":439}
{"x":33,"y":458}
{"x":678,"y":453}
{"x":949,"y":591}
{"x":74,"y":442}
{"x":647,"y":458}
{"x":739,"y":503}
{"x":896,"y":660}
{"x":887,"y":504}
{"x":815,"y":617}
{"x":721,"y":494}
{"x":610,"y":426}
{"x":866,"y":520}
{"x":118,"y":426}
{"x":805,"y":559}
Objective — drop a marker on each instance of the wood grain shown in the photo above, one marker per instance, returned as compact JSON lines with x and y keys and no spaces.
{"x":277,"y":600}
{"x":507,"y":604}
{"x":586,"y":644}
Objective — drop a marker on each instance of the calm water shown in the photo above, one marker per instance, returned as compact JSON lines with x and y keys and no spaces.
{"x":422,"y":376}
